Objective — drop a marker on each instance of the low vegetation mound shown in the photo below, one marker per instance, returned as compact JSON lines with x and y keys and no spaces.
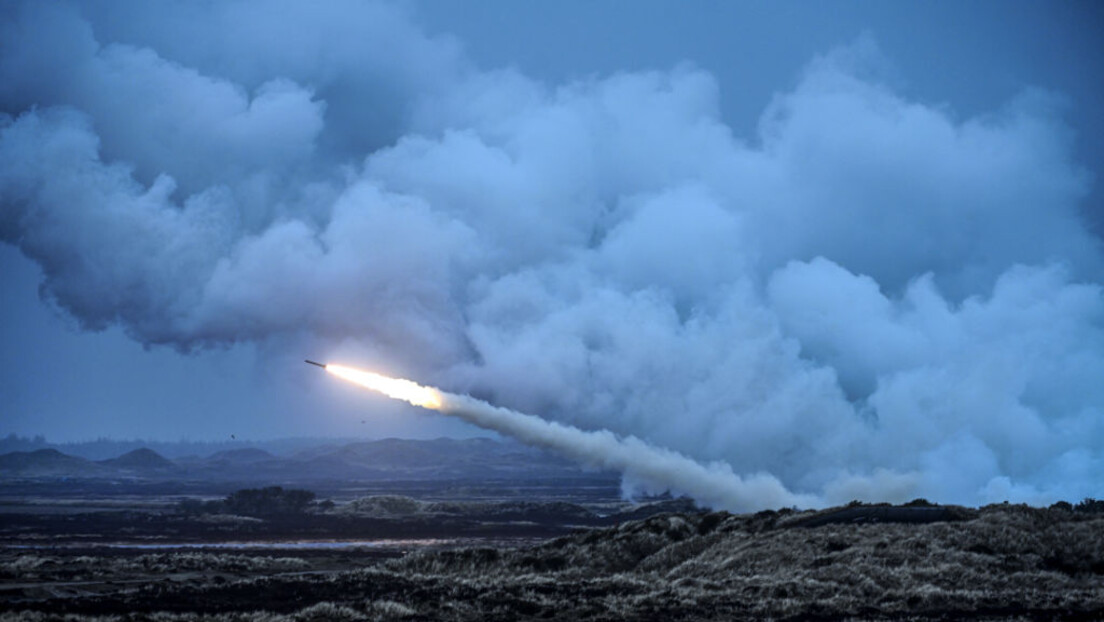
{"x":384,"y":506}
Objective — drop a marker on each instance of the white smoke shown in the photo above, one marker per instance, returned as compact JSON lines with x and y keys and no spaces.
{"x":869,"y":298}
{"x":713,"y":485}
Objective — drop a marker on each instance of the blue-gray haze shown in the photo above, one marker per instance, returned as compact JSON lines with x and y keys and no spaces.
{"x":853,"y":245}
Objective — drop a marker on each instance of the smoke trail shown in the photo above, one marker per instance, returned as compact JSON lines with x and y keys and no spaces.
{"x":713,"y":485}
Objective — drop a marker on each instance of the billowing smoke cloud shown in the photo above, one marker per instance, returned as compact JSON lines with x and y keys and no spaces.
{"x":870,"y":298}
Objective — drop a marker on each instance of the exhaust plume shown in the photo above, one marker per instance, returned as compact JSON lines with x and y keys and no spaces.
{"x":712,"y":485}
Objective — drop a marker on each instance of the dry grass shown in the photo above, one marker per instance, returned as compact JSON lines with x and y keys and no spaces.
{"x":30,"y":567}
{"x":1007,"y":559}
{"x":1006,"y":562}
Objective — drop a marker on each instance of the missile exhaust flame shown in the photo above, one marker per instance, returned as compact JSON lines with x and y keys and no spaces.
{"x":714,"y":485}
{"x":395,"y":388}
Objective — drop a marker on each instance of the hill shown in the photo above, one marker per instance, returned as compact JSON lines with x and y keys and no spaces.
{"x":47,"y":463}
{"x":140,"y":460}
{"x":1000,"y":562}
{"x":443,"y":458}
{"x":248,"y":455}
{"x":367,"y":461}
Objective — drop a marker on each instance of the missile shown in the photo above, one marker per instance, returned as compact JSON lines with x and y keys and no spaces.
{"x":322,"y":365}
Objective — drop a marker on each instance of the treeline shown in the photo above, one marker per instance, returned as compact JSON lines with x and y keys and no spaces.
{"x":270,"y":501}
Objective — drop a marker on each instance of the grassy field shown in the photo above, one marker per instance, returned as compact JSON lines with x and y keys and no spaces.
{"x":999,"y":562}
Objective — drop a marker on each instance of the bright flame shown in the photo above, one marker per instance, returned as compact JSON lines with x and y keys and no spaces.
{"x":397,"y":388}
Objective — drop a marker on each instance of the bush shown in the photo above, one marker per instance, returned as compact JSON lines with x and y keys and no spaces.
{"x":273,"y":500}
{"x":1090,"y":506}
{"x":194,"y":507}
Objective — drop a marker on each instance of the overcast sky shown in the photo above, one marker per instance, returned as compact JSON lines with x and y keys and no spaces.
{"x":865,"y":234}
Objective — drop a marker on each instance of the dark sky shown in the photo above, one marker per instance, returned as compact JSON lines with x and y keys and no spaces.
{"x":485,"y":195}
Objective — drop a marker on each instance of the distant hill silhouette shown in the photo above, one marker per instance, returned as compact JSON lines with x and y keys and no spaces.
{"x":106,"y":448}
{"x":249,"y":455}
{"x":47,"y":463}
{"x":141,"y":460}
{"x":388,"y":459}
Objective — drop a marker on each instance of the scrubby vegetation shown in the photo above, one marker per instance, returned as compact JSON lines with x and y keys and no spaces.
{"x":380,"y":611}
{"x":31,"y":567}
{"x":1086,"y":506}
{"x":999,"y":562}
{"x":270,"y":501}
{"x":396,"y":506}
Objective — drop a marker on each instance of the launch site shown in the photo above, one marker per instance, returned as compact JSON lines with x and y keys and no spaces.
{"x":579,"y":310}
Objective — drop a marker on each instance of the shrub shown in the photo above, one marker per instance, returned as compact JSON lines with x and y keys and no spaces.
{"x":195,"y":507}
{"x":273,"y":500}
{"x":1090,"y":506}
